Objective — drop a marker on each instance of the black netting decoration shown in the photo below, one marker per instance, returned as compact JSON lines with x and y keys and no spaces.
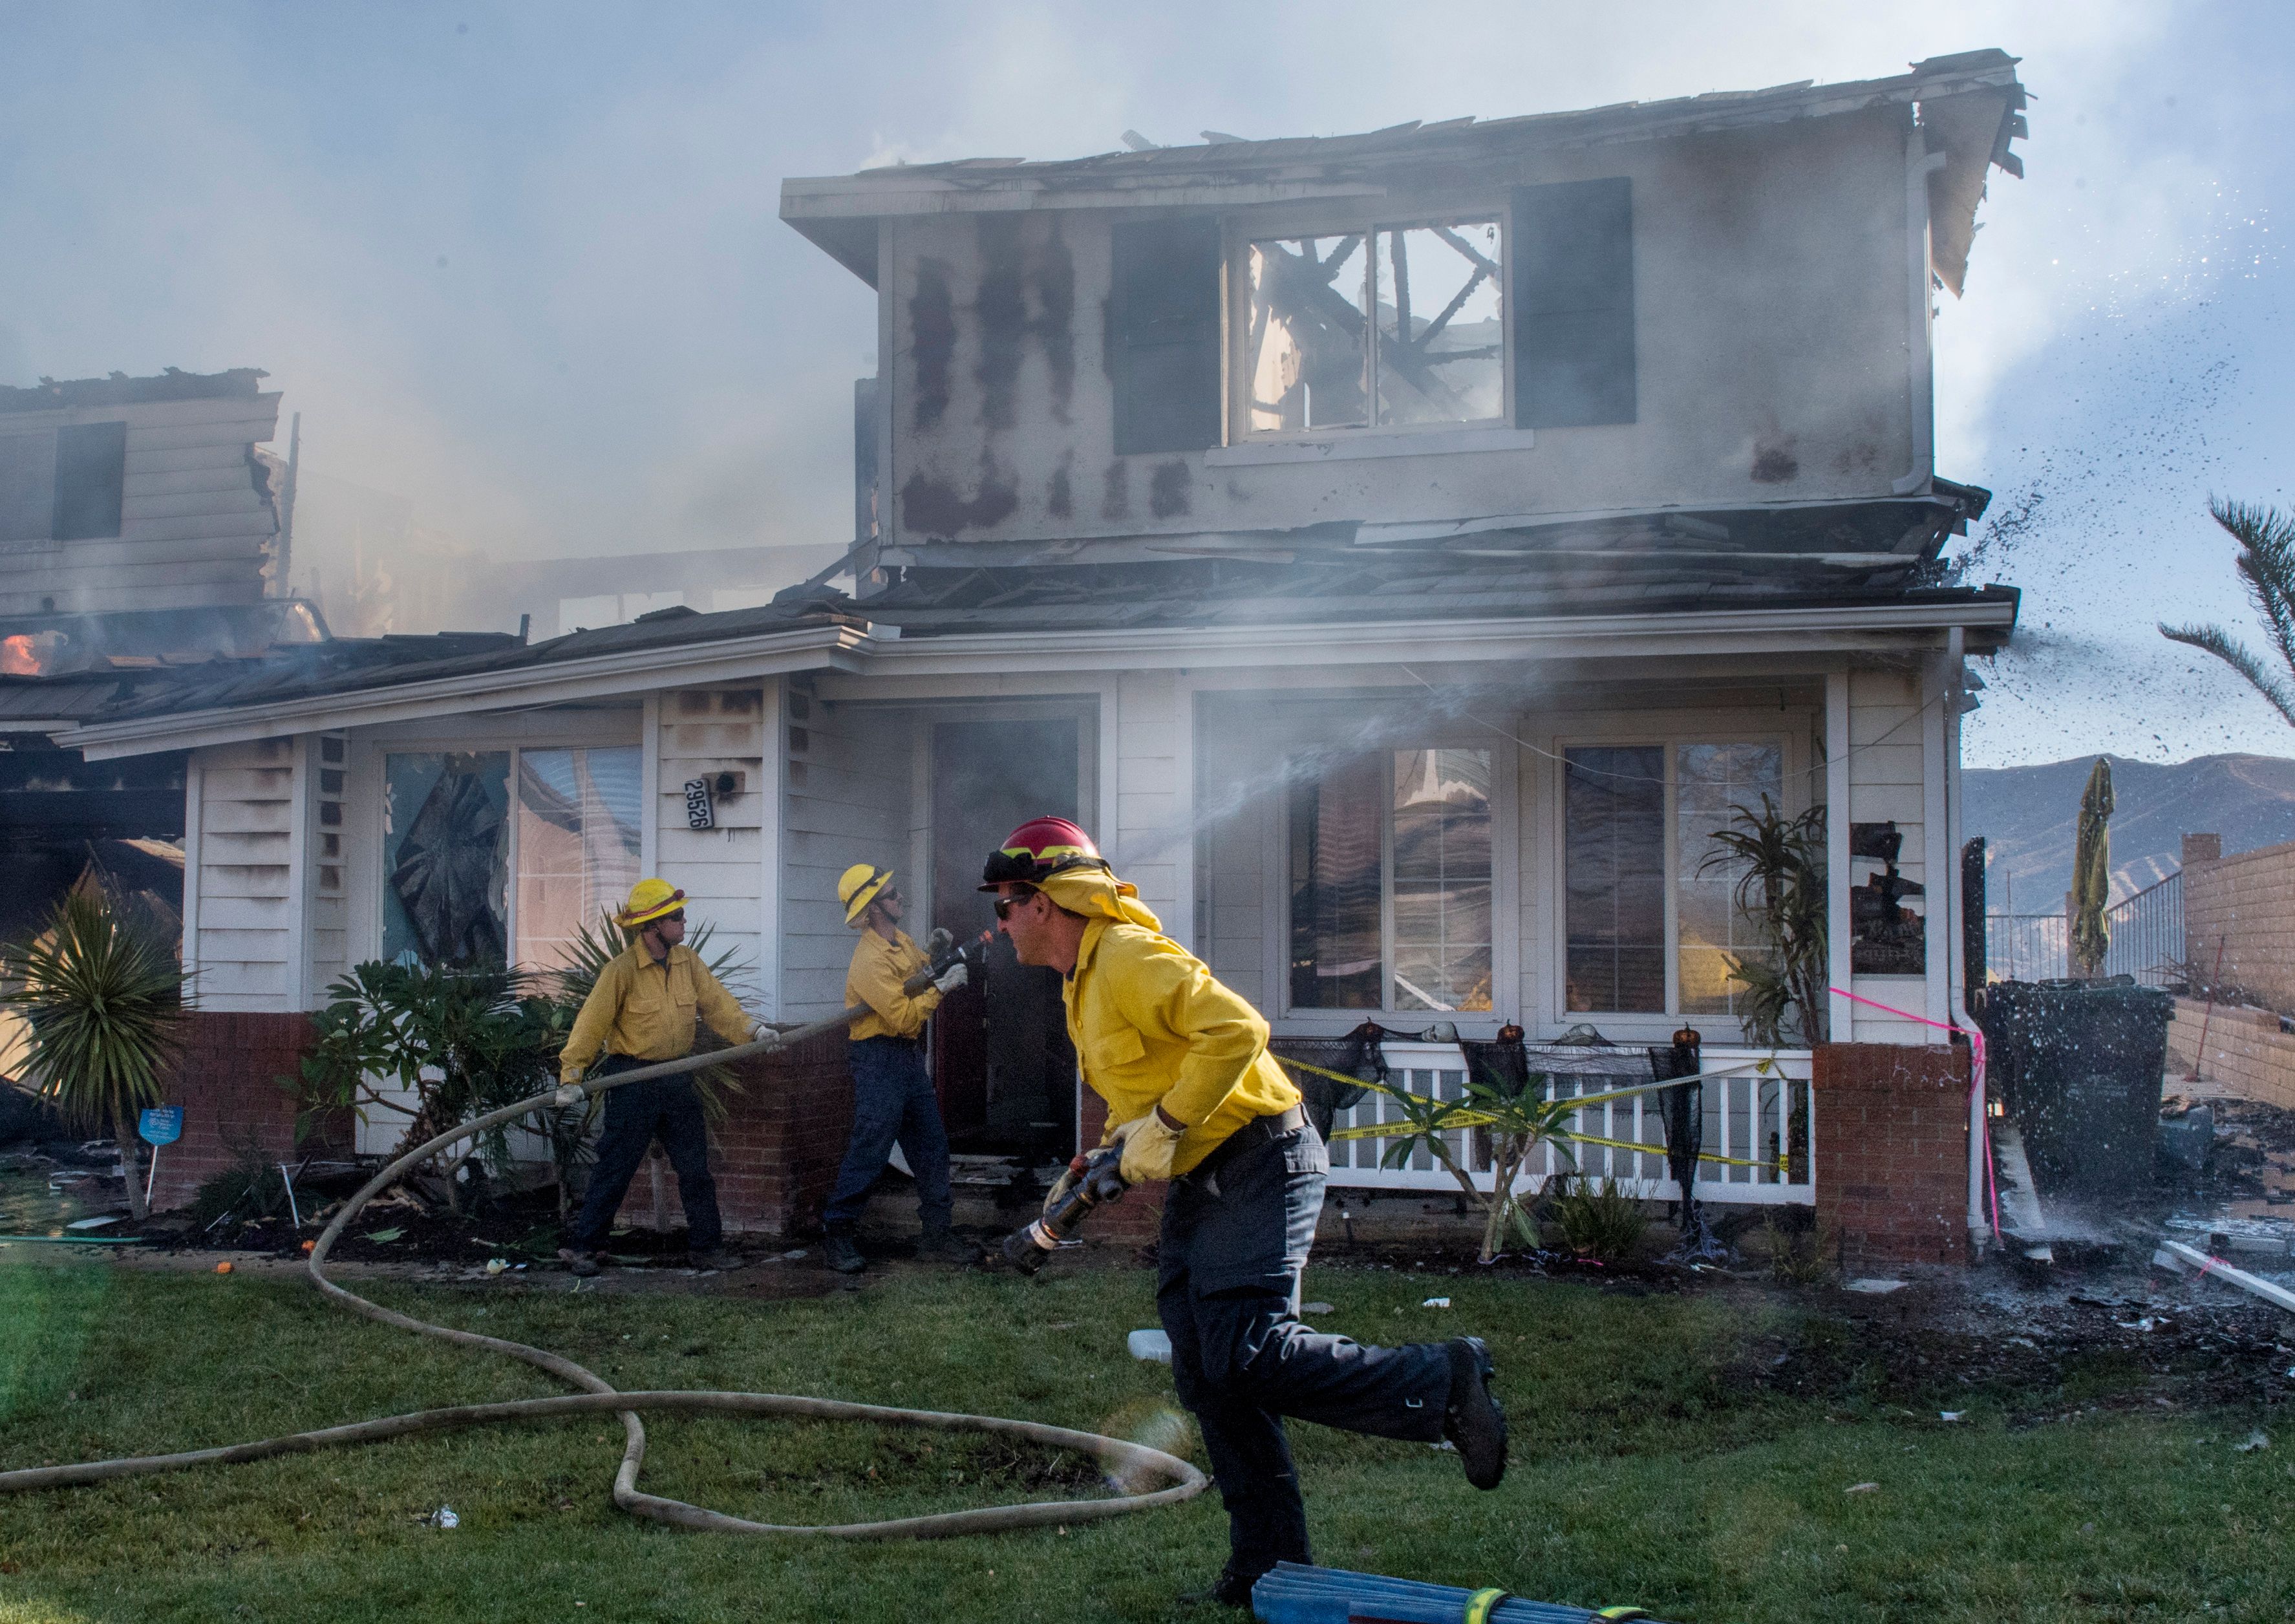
{"x":1356,"y":1055}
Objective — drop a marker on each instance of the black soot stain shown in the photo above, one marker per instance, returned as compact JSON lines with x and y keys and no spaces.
{"x":1167,"y":489}
{"x":1775,"y":464}
{"x":1002,"y":308}
{"x":932,"y":507}
{"x":1055,"y":285}
{"x":932,"y":333}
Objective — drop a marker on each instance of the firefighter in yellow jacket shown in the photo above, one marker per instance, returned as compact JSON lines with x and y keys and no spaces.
{"x":643,"y":1011}
{"x":893,"y":1098}
{"x":1195,"y":1098}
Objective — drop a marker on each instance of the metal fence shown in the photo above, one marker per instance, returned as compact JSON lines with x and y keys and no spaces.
{"x":2147,"y":935}
{"x":1763,"y":1125}
{"x":2027,"y":947}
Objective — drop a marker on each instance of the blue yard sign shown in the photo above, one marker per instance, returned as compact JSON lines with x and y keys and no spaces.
{"x":160,"y":1125}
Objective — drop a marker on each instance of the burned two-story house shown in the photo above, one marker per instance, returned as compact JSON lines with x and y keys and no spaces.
{"x":1404,"y":550}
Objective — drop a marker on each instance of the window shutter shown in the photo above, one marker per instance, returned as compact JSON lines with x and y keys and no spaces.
{"x":1163,"y":335}
{"x":91,"y":479}
{"x":1573,"y":258}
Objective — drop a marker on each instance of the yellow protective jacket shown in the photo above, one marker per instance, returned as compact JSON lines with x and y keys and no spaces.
{"x":646,"y":1008}
{"x":1152,"y":1026}
{"x":878,"y":968}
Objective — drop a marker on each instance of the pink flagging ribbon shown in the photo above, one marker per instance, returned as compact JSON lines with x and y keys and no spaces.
{"x":1975,"y":1087}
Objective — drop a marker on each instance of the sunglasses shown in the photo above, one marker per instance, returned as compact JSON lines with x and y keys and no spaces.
{"x":1006,"y":904}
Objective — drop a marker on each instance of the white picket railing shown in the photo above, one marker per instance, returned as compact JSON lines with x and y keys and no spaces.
{"x":1768,"y":1119}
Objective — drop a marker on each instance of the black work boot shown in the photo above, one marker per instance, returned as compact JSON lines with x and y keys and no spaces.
{"x":582,"y":1265}
{"x":1472,"y":1421}
{"x":844,"y":1252}
{"x":1231,"y":1588}
{"x":944,"y":1246}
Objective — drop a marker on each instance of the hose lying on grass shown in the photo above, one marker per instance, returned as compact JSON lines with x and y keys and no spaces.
{"x":1123,"y":1457}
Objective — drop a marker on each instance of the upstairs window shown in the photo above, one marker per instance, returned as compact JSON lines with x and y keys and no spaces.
{"x":1400,"y":326}
{"x":67,"y":483}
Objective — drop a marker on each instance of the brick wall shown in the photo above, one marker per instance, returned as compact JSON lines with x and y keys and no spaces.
{"x":1892,"y":1159}
{"x":2243,"y":907}
{"x":2247,"y":1055}
{"x":226,"y":1081}
{"x":776,"y":1154}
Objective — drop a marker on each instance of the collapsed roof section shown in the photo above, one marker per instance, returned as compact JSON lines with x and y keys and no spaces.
{"x":1970,"y":103}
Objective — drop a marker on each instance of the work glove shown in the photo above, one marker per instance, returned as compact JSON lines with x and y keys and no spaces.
{"x":1148,"y":1144}
{"x":1066,"y":1182}
{"x":759,"y":1032}
{"x":952,"y":977}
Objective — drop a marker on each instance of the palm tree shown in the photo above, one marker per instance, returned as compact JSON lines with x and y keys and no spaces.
{"x":103,"y":998}
{"x":2266,"y":561}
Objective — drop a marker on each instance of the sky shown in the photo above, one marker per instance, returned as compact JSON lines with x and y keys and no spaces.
{"x":521,"y":265}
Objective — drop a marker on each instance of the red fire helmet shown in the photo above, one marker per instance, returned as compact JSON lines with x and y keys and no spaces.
{"x":1038,"y":849}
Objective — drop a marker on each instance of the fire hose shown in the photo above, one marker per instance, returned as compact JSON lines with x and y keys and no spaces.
{"x":1122,"y":1458}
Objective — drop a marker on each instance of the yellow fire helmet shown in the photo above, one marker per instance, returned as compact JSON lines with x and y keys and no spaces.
{"x":858,"y":886}
{"x":649,"y":899}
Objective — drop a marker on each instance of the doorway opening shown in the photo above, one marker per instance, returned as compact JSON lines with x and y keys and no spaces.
{"x":1001,"y":1061}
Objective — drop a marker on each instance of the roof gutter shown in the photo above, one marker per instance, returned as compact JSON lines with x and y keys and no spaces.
{"x":1228,"y":647}
{"x":1869,"y":629}
{"x":626,"y":671}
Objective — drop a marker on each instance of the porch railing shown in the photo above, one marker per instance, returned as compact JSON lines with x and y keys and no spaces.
{"x":1770,"y":1121}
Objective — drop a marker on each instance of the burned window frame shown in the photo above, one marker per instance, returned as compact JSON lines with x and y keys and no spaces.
{"x":368,"y":788}
{"x":1244,"y":232}
{"x":1791,"y":729}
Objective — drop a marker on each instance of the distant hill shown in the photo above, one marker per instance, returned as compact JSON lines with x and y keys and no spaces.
{"x":2029,"y":817}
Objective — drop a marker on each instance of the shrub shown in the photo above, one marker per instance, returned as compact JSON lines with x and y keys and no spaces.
{"x":1599,"y":1221}
{"x":1799,"y":1256}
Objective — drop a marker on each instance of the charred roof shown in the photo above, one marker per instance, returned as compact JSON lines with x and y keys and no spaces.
{"x":1971,"y":101}
{"x":54,"y":395}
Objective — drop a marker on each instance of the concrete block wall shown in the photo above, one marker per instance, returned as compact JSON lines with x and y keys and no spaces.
{"x":1892,"y":1161}
{"x":227,"y":1081}
{"x":2247,"y":1054}
{"x":2240,"y":906}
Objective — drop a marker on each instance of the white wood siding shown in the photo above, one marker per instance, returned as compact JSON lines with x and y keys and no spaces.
{"x":849,"y":778}
{"x":1887,"y":761}
{"x":194,"y":527}
{"x":703,"y":732}
{"x":1148,"y":801}
{"x":247,"y":902}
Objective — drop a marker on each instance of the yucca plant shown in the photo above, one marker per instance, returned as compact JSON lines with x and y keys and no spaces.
{"x":1779,"y":864}
{"x":104,"y":1000}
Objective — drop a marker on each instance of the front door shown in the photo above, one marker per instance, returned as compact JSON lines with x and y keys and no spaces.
{"x":1001,"y":1060}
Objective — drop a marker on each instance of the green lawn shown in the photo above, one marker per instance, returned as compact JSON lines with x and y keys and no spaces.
{"x":1646,"y":1469}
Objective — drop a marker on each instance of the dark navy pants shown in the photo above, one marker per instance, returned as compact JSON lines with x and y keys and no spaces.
{"x":1234,"y":1244}
{"x":636,"y":1112}
{"x":892,"y":1102}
